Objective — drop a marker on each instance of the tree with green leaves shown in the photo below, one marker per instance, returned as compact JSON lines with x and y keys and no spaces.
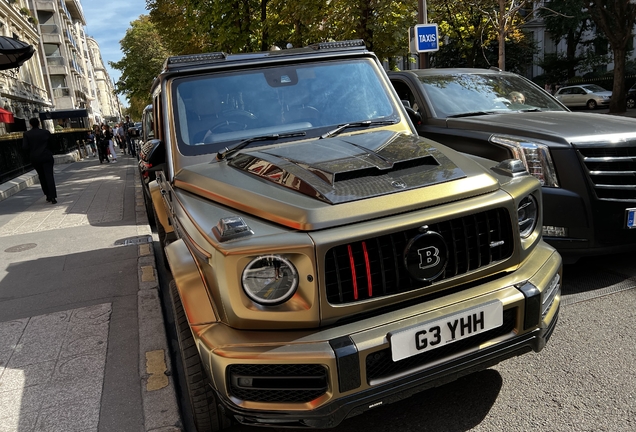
{"x":143,"y":58}
{"x":471,"y":37}
{"x":616,"y":18}
{"x":569,"y":20}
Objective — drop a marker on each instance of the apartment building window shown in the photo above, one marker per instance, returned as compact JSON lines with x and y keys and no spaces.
{"x":549,"y":44}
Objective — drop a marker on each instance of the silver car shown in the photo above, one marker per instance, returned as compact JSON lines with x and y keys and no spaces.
{"x":584,"y":95}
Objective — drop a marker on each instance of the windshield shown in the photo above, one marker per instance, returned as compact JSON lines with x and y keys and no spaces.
{"x":593,"y":88}
{"x":216,"y":110}
{"x":460,"y":94}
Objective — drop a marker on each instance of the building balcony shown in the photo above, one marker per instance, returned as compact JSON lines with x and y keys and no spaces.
{"x":61,"y":92}
{"x":57,"y":65}
{"x":52,"y":38}
{"x":45,"y":5}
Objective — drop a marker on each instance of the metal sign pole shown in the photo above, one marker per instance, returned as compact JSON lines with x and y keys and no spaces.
{"x":422,"y":18}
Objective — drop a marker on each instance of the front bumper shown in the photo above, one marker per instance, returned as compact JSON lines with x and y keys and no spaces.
{"x":349,"y":354}
{"x":349,"y":406}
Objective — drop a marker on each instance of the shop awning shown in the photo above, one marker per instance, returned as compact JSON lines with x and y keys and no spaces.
{"x":6,"y":116}
{"x":14,"y":52}
{"x":60,"y":114}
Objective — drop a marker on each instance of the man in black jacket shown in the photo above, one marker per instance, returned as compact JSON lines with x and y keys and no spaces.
{"x":37,"y":142}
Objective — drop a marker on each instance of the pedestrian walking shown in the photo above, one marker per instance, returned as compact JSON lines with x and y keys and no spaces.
{"x":108,"y":136}
{"x":38,"y":143}
{"x":131,"y":147}
{"x":90,"y":140}
{"x":121,"y":137}
{"x":102,"y":144}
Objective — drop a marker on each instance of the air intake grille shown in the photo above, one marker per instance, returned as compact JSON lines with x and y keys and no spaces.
{"x":612,"y":171}
{"x":277,"y":382}
{"x":381,"y":365}
{"x":378,"y":263}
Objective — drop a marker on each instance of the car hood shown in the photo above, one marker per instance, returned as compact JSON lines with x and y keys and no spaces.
{"x":320,"y":183}
{"x":554,"y":126}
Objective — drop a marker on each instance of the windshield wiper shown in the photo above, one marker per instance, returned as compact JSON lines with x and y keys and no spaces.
{"x":228,"y":151}
{"x":365,"y":123}
{"x":471,"y":114}
{"x":530,"y":110}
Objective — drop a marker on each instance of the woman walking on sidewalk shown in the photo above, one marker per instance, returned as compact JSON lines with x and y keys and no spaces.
{"x":108,"y":135}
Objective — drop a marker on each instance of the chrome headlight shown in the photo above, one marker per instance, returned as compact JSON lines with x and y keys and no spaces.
{"x":270,"y":280}
{"x":528,"y":215}
{"x":535,"y":156}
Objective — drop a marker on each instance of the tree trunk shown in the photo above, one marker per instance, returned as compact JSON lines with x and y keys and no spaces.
{"x":617,"y":104}
{"x":265,"y":32}
{"x":502,"y":35}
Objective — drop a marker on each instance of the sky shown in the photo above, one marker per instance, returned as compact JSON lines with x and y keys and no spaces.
{"x":107,"y":22}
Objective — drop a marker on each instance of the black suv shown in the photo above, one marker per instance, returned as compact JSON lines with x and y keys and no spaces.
{"x":586,"y":162}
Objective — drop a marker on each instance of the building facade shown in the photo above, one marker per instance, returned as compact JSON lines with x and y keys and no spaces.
{"x":23,"y":90}
{"x":65,"y":58}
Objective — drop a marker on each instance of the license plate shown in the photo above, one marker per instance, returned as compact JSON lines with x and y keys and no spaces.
{"x":441,"y":332}
{"x":630,"y":217}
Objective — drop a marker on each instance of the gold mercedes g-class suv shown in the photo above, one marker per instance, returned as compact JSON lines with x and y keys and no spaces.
{"x":326,"y":259}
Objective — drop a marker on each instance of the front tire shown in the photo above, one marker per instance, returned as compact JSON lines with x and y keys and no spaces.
{"x":591,"y":104}
{"x":631,"y":103}
{"x":203,"y":405}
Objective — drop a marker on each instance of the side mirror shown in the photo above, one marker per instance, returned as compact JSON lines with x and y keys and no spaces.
{"x":415,"y":116}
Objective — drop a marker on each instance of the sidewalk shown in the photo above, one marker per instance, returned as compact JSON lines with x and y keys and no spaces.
{"x":82,"y":339}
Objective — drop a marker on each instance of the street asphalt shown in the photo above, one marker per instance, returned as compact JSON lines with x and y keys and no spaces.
{"x":82,"y":338}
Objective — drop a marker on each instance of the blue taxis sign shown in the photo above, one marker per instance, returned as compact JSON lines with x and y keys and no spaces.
{"x":426,"y":38}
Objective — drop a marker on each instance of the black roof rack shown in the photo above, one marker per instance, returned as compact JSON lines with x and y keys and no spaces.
{"x":193,"y":59}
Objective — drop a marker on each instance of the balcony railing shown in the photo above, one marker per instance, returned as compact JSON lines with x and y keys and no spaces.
{"x":61,"y":92}
{"x":49,"y":29}
{"x":56,"y":61}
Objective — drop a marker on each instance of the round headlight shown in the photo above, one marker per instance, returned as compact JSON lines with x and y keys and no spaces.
{"x":528,"y":214}
{"x":270,"y":280}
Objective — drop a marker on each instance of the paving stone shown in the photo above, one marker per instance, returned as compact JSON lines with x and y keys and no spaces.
{"x":76,"y":417}
{"x":25,"y":422}
{"x":10,"y":334}
{"x":34,"y":374}
{"x":17,"y":402}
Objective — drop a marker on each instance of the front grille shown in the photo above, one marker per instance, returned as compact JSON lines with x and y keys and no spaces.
{"x":612,"y":171}
{"x":277,"y":382}
{"x":381,"y":365}
{"x":473,"y":241}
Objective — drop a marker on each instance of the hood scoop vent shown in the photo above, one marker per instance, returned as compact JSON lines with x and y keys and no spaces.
{"x":344,"y":169}
{"x":377,"y":171}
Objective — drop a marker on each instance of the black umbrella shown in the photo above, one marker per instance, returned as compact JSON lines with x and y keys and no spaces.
{"x":14,"y":52}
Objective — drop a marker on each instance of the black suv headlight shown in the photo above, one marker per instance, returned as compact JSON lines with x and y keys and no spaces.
{"x":535,"y":156}
{"x":528,"y":215}
{"x":270,"y":280}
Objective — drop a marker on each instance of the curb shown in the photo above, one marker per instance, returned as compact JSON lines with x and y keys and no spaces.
{"x":17,"y":184}
{"x":161,"y":413}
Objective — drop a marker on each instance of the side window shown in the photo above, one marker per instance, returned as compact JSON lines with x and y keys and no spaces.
{"x":404,"y":93}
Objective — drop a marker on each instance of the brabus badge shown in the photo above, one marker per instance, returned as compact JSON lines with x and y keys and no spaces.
{"x":398,"y":184}
{"x":425,"y":256}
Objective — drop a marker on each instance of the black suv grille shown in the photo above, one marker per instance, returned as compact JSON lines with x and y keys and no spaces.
{"x":612,"y":171}
{"x":277,"y":382}
{"x":381,"y":365}
{"x":378,"y":263}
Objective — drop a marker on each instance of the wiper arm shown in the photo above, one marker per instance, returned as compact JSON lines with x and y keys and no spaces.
{"x":228,"y":151}
{"x":365,"y":123}
{"x":471,"y":114}
{"x":530,"y":110}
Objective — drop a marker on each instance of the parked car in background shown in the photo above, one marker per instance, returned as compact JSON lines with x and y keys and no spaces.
{"x":586,"y":162}
{"x":631,"y":97}
{"x":591,"y":96}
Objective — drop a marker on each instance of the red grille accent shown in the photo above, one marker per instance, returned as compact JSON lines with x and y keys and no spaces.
{"x":368,"y":267}
{"x":353,"y":273}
